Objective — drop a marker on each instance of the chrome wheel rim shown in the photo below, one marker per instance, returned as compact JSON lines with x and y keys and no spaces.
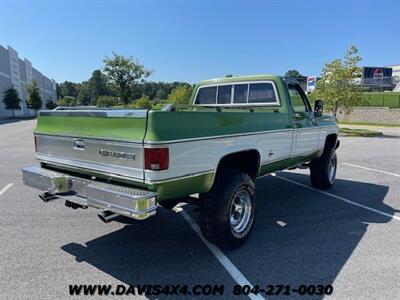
{"x":240,"y":211}
{"x":332,"y":169}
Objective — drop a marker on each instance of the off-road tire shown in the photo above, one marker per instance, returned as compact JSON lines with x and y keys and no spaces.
{"x":215,"y":209}
{"x":320,"y":169}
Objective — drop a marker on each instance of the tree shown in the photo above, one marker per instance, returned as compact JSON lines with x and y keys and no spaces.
{"x":34,"y":100}
{"x":85,"y":93}
{"x":143,"y":102}
{"x":123,"y":73}
{"x":66,"y":101}
{"x":336,"y":85}
{"x":68,"y":88}
{"x":11,"y":100}
{"x":293,"y":74}
{"x":107,"y":101}
{"x":98,"y":84}
{"x":180,"y":95}
{"x":50,"y":104}
{"x":161,"y":94}
{"x":58,"y":90}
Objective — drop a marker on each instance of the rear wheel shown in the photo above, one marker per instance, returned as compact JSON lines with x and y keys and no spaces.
{"x":323,"y":170}
{"x":227,"y":212}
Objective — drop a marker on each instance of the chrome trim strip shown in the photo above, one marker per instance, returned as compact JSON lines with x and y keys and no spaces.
{"x":88,"y":165}
{"x":100,"y":139}
{"x":102,"y":113}
{"x":105,"y":174}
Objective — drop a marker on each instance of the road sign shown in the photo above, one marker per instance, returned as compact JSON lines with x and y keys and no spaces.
{"x":311,"y":83}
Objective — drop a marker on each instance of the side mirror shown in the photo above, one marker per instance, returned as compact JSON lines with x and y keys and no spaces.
{"x":318,"y":108}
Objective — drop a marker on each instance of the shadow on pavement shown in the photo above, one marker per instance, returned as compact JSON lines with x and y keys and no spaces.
{"x":320,"y":235}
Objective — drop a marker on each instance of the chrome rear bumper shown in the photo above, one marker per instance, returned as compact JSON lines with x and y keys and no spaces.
{"x":131,"y":202}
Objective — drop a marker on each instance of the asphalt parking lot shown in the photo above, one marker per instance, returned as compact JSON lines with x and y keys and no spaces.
{"x":348,"y":237}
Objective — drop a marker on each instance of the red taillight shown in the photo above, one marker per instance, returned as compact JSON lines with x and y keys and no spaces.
{"x":34,"y":137}
{"x":156,"y":159}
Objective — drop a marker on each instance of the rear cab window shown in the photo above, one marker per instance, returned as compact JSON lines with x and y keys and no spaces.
{"x":259,"y":93}
{"x":206,"y":95}
{"x":262,"y":93}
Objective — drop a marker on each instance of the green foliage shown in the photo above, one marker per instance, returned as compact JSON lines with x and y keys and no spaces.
{"x":107,"y":101}
{"x":11,"y":100}
{"x":141,"y":103}
{"x":98,"y":84}
{"x":376,"y":124}
{"x":50,"y":104}
{"x":336,"y":86}
{"x":158,"y":105}
{"x":84,"y":93}
{"x":380,"y":99}
{"x":34,"y":100}
{"x":67,"y":88}
{"x":122,"y":76}
{"x":67,"y":101}
{"x":293,"y":74}
{"x":123,"y":73}
{"x":180,"y":95}
{"x":161,"y":95}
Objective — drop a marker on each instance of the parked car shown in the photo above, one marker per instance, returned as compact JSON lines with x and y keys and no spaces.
{"x":236,"y":129}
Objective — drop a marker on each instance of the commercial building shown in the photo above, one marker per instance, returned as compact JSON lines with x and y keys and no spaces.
{"x":18,"y":73}
{"x":395,"y":73}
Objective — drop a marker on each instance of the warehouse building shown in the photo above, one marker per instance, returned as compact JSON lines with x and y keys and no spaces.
{"x":19,"y":73}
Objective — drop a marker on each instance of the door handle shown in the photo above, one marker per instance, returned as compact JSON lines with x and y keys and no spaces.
{"x":78,"y":144}
{"x":297,"y":117}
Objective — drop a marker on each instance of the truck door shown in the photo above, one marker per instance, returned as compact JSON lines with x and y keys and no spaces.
{"x":306,"y":130}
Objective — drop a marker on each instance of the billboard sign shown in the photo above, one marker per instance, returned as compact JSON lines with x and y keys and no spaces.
{"x":311,"y":83}
{"x":378,"y":76}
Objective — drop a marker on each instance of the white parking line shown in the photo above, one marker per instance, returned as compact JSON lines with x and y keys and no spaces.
{"x":4,"y":189}
{"x":370,"y":169}
{"x":340,"y":198}
{"x":221,"y":257}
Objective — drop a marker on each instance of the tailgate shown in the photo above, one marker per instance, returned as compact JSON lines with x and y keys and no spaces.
{"x":109,"y":141}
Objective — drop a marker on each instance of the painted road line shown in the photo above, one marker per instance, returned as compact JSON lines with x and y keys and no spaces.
{"x":221,"y":257}
{"x":4,"y":189}
{"x":340,"y":198}
{"x":370,"y":169}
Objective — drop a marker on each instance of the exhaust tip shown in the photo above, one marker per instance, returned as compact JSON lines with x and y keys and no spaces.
{"x":46,"y":197}
{"x":106,"y":216}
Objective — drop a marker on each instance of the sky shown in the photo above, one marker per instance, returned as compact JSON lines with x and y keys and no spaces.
{"x":195,"y":40}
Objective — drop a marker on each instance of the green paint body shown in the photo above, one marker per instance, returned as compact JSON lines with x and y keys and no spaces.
{"x":194,"y":122}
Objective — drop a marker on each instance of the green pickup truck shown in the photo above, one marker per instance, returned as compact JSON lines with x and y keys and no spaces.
{"x":235,"y":129}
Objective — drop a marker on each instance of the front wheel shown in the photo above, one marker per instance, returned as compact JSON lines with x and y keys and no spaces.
{"x":323,"y":170}
{"x":227,"y":212}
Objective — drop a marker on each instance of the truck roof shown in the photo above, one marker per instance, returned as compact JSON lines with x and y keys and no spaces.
{"x":238,"y":79}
